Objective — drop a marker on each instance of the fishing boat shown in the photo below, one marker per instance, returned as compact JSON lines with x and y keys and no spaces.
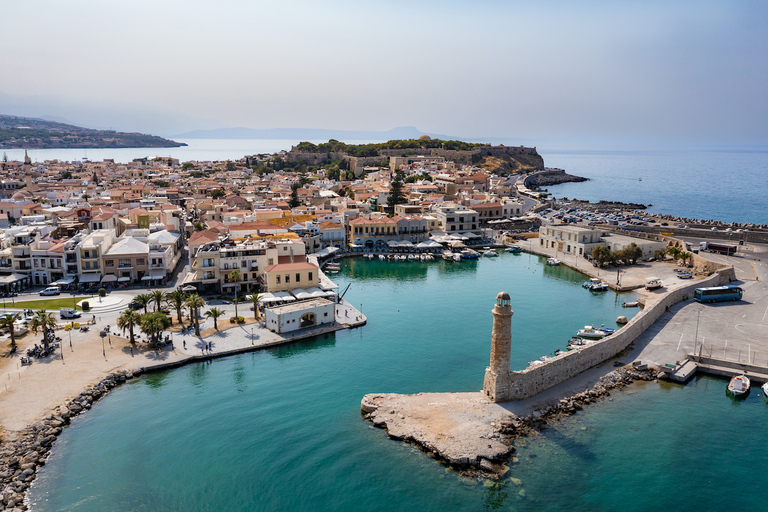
{"x":684,"y":274}
{"x":490,"y":253}
{"x":513,"y":250}
{"x":738,"y":386}
{"x":595,"y":284}
{"x":469,"y":254}
{"x":652,"y":283}
{"x":591,"y":332}
{"x":553,"y":262}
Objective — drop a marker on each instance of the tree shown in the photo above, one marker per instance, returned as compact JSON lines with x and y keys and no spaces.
{"x":685,"y":256}
{"x":175,"y":300}
{"x":218,"y":193}
{"x":235,"y":276}
{"x":396,"y":195}
{"x":601,"y":254}
{"x":143,"y":300}
{"x":187,"y":166}
{"x":194,"y":303}
{"x":153,"y":324}
{"x":66,"y":176}
{"x":45,"y":322}
{"x":5,"y":160}
{"x":673,"y":251}
{"x":230,"y":166}
{"x":295,"y":201}
{"x":215,"y":313}
{"x":127,"y":320}
{"x":255,"y":300}
{"x":7,"y":321}
{"x":158,"y":297}
{"x":199,"y":226}
{"x":86,"y":197}
{"x":633,"y":253}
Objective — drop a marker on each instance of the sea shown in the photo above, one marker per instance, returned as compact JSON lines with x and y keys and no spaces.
{"x":281,"y":429}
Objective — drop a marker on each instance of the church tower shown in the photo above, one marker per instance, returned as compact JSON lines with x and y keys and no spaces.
{"x":497,"y":374}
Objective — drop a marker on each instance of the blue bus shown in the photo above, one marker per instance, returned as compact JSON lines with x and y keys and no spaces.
{"x":718,"y":293}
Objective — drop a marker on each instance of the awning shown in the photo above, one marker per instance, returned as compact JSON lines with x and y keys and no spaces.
{"x":90,"y":278}
{"x":109,"y":278}
{"x":146,"y":278}
{"x":123,"y":279}
{"x":284,"y":296}
{"x":63,"y":282}
{"x":157,"y":274}
{"x":189,"y":288}
{"x":301,"y":293}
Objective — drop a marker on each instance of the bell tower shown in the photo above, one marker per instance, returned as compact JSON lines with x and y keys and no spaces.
{"x":497,"y":374}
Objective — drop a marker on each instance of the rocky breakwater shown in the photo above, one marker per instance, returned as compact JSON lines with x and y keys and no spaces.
{"x":22,"y":454}
{"x":472,"y":434}
{"x":550,"y":177}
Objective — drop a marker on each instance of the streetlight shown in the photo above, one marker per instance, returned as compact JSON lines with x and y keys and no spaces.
{"x":251,"y":336}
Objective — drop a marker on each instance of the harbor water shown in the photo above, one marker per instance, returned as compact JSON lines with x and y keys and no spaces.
{"x":281,"y":429}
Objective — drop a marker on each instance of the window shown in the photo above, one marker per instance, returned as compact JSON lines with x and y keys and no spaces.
{"x":243,"y":264}
{"x":287,"y":278}
{"x":87,"y":254}
{"x":109,"y":263}
{"x":270,"y":261}
{"x":277,"y":279}
{"x":310,"y":276}
{"x":298,"y":277}
{"x":140,"y":261}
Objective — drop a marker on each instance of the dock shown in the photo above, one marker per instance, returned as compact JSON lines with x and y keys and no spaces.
{"x":715,"y":366}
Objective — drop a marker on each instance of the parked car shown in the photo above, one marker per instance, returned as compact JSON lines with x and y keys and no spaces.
{"x":69,"y":313}
{"x":135,"y":305}
{"x":51,"y":290}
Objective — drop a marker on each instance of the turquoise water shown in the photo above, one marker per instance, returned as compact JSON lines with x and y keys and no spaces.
{"x":281,"y":429}
{"x":726,"y":185}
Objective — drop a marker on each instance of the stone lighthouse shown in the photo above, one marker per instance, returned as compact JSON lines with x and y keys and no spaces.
{"x":496,"y":382}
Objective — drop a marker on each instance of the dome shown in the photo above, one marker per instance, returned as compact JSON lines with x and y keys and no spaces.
{"x":425,"y":137}
{"x":502,"y":296}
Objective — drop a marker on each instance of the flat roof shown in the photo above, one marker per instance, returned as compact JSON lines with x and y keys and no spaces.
{"x":300,"y":306}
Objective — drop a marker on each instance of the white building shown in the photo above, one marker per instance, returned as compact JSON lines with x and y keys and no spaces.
{"x":300,"y":315}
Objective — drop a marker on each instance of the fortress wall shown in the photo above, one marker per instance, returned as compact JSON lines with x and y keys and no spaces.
{"x":524,"y":384}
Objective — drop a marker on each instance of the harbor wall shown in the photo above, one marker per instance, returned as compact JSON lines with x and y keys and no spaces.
{"x":520,"y":385}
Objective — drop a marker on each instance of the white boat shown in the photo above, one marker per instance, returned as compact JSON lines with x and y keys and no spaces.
{"x":595,"y":284}
{"x":456,"y":256}
{"x":591,"y":332}
{"x":382,"y":257}
{"x":447,"y":255}
{"x":764,"y":388}
{"x":738,"y":386}
{"x":652,"y":283}
{"x":553,"y":262}
{"x":490,"y":253}
{"x":684,"y":274}
{"x":411,"y":257}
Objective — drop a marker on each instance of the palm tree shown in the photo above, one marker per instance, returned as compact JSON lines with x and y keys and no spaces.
{"x":153,"y":324}
{"x":7,"y":321}
{"x":685,"y":256}
{"x":236,"y":277}
{"x":214,"y":313}
{"x":674,"y":252}
{"x":176,"y":300}
{"x":45,"y":322}
{"x":194,"y":303}
{"x":144,"y":300}
{"x":255,"y":300}
{"x":158,"y":297}
{"x":127,"y":320}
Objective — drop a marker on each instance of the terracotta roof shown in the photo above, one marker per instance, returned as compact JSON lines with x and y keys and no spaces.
{"x":201,"y":237}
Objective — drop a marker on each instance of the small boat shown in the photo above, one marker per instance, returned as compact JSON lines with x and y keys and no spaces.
{"x":411,"y":257}
{"x":469,"y":254}
{"x":447,"y":255}
{"x":652,"y":283}
{"x":591,"y":332}
{"x":639,"y":179}
{"x":513,"y":250}
{"x":382,"y":257}
{"x":684,"y":274}
{"x":630,"y":305}
{"x":595,"y":284}
{"x":553,"y":262}
{"x":764,"y":388}
{"x":456,"y":256}
{"x":490,"y":253}
{"x":738,"y":386}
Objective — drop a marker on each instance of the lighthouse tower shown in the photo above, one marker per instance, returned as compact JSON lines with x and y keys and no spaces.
{"x":497,"y":374}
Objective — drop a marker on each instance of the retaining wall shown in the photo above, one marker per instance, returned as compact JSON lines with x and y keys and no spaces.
{"x":524,"y":384}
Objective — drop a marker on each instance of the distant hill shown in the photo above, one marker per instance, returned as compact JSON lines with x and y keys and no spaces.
{"x":32,"y":133}
{"x":404,"y":132}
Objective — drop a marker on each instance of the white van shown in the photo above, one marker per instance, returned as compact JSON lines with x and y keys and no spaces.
{"x":69,"y":313}
{"x":51,"y":290}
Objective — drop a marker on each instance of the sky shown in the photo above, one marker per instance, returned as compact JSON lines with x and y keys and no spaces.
{"x":694,"y":72}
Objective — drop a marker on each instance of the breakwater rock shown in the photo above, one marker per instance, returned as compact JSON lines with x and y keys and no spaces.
{"x":469,"y":432}
{"x":22,"y":456}
{"x":550,"y":177}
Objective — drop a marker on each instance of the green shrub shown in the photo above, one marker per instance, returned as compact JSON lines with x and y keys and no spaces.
{"x":102,"y":292}
{"x":237,"y":320}
{"x":86,"y":306}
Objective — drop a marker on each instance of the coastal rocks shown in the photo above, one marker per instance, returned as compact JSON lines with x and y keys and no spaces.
{"x":28,"y":450}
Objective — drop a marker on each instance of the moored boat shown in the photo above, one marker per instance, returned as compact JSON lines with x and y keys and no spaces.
{"x":595,"y":284}
{"x":553,"y":262}
{"x":447,"y":255}
{"x":764,"y":388}
{"x":469,"y":254}
{"x":738,"y":386}
{"x":490,"y":253}
{"x":652,"y":283}
{"x":591,"y":332}
{"x":513,"y":250}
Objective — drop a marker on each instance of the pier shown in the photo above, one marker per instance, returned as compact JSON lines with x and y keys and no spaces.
{"x":717,"y":366}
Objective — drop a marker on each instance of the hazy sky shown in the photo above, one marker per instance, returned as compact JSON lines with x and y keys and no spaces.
{"x":691,"y":71}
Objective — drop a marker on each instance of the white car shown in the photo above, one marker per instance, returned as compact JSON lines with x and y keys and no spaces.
{"x":51,"y":290}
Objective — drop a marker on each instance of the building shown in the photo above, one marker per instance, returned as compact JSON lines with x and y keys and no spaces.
{"x":570,"y":239}
{"x":454,"y":218}
{"x":300,"y":315}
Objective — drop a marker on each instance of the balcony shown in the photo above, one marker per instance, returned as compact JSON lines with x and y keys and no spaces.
{"x":125,"y":266}
{"x":158,"y":265}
